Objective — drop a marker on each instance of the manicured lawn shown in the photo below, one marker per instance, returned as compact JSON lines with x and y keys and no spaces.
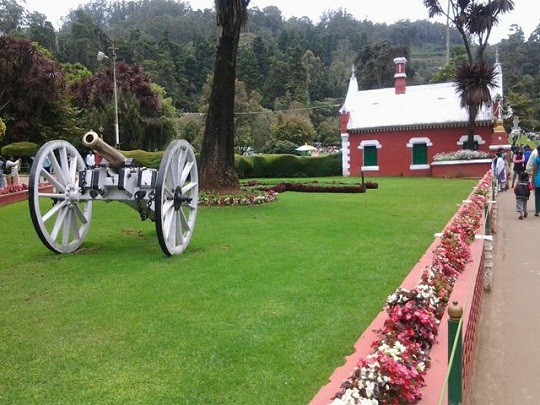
{"x":260,"y":309}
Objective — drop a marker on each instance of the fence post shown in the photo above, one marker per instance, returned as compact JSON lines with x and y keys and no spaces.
{"x":455,"y":384}
{"x":487,"y":228}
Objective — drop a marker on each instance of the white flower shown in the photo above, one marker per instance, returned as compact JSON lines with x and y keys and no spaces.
{"x":370,"y":387}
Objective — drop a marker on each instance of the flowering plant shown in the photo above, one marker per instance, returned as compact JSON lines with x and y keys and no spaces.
{"x":394,"y":372}
{"x":247,"y":198}
{"x":464,"y":154}
{"x":13,"y":188}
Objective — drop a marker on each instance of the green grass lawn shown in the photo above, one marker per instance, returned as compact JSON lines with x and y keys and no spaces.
{"x":260,"y":309}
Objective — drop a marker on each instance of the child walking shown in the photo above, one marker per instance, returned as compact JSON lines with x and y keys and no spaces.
{"x":522,"y":190}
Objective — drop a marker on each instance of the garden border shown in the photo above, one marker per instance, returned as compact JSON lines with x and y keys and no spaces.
{"x":469,"y":282}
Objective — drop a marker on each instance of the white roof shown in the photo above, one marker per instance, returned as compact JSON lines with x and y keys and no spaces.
{"x":430,"y":104}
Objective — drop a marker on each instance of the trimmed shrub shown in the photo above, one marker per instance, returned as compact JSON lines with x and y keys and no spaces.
{"x":145,"y":159}
{"x":243,"y":166}
{"x":271,"y":166}
{"x":20,"y":149}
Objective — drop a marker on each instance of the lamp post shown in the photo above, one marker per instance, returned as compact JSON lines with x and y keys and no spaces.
{"x":100,"y":57}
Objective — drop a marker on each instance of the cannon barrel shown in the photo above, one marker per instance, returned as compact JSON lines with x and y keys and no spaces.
{"x":115,"y":158}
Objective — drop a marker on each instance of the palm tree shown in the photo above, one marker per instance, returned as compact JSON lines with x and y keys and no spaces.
{"x":474,"y":20}
{"x":217,"y":168}
{"x":473,"y":83}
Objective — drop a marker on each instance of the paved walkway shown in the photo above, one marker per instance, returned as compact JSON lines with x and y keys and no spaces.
{"x":507,"y":369}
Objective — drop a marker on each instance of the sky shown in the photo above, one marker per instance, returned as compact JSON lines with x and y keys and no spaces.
{"x":378,"y":11}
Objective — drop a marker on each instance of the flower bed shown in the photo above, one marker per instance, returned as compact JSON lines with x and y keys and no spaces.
{"x":247,"y":198}
{"x":13,"y":188}
{"x":18,"y":192}
{"x":394,"y":370}
{"x":460,"y":164}
{"x":255,"y":192}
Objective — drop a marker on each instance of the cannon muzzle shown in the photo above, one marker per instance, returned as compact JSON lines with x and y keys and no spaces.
{"x":115,"y":158}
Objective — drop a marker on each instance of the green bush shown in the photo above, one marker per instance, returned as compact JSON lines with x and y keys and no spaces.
{"x":257,"y":166}
{"x":20,"y":149}
{"x":323,"y":166}
{"x":144,"y":158}
{"x":272,"y":166}
{"x":243,"y":165}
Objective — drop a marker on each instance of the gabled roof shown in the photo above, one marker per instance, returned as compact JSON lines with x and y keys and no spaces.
{"x":420,"y":106}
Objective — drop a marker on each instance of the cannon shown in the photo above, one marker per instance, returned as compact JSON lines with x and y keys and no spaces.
{"x":62,"y":213}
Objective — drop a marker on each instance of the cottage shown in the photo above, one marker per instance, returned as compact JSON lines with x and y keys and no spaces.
{"x":397,"y":131}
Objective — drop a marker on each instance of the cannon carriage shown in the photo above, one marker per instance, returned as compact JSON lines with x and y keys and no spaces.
{"x":167,"y":196}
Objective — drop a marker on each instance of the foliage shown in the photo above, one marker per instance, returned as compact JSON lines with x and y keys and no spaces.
{"x":20,"y":149}
{"x":2,"y":129}
{"x":293,"y":128}
{"x":144,"y":158}
{"x":447,"y":72}
{"x":32,"y":87}
{"x":138,"y":103}
{"x":374,"y":64}
{"x":241,"y":198}
{"x":474,"y":21}
{"x":286,"y":165}
{"x":315,"y":186}
{"x":473,"y":84}
{"x":280,"y":147}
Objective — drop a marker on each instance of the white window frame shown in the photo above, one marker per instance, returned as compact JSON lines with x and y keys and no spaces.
{"x":419,"y":140}
{"x":370,"y":142}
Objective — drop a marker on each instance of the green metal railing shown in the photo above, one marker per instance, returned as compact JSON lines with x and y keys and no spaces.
{"x":453,"y":382}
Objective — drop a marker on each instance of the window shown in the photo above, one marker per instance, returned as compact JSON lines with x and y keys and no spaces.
{"x":475,"y":145}
{"x":419,"y":148}
{"x":370,"y":156}
{"x":477,"y":141}
{"x":369,"y":149}
{"x":419,"y":154}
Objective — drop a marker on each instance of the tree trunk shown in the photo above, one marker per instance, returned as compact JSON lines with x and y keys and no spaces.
{"x":217,"y":167}
{"x":473,"y":111}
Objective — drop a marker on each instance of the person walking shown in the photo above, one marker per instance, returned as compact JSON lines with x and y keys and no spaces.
{"x":522,"y":190}
{"x":499,"y":170}
{"x":518,"y":160}
{"x":536,"y":180}
{"x":15,"y":165}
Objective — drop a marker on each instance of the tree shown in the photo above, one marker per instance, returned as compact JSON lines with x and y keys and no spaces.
{"x":11,"y":16}
{"x":294,"y":128}
{"x":473,"y":83}
{"x":138,"y":104}
{"x":375,"y":64}
{"x":31,"y":87}
{"x":474,"y":20}
{"x":217,"y":166}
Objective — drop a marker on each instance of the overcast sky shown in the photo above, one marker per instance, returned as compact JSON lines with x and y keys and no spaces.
{"x":525,"y":13}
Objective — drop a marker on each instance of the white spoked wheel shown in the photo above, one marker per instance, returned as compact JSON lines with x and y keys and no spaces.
{"x":60,"y":217}
{"x":177,"y":196}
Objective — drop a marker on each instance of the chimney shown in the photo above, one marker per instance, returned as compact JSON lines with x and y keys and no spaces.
{"x":400,"y":76}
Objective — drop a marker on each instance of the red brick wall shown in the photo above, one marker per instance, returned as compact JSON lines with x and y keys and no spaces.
{"x":465,"y":169}
{"x":394,"y":157}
